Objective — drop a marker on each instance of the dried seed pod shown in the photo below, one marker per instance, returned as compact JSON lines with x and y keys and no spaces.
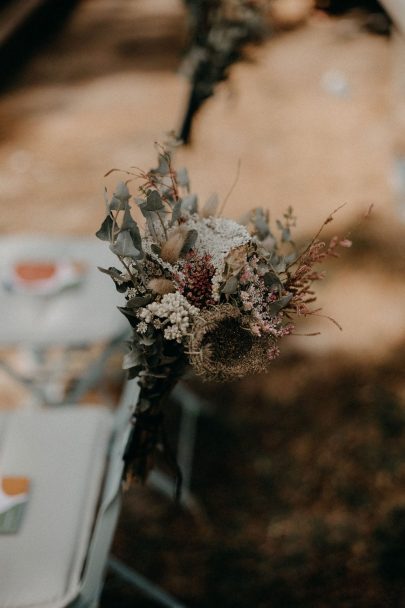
{"x":161,"y":286}
{"x":171,"y":249}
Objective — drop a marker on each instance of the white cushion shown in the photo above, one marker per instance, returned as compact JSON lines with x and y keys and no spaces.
{"x":79,"y":315}
{"x":63,"y":452}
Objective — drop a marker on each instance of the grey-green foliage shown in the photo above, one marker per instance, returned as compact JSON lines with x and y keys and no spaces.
{"x":119,"y":228}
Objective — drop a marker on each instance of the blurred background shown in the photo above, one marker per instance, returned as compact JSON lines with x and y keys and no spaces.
{"x":299,"y":475}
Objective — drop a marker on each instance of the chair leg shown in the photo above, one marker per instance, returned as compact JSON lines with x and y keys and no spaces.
{"x":145,"y":586}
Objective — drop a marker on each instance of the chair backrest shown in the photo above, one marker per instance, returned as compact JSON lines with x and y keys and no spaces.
{"x":73,"y":457}
{"x":110,"y":502}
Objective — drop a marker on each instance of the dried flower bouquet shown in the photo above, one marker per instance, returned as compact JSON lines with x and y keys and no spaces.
{"x":201,"y":291}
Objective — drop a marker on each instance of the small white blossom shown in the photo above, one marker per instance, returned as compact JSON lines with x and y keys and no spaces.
{"x":142,"y":328}
{"x":173,"y":312}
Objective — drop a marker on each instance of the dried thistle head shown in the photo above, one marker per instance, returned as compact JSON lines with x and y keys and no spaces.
{"x":223,"y":348}
{"x":171,"y":249}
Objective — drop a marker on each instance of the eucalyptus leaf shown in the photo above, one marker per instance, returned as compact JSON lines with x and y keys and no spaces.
{"x":147,"y":340}
{"x":210,"y":206}
{"x":114,"y":273}
{"x":230,"y":286}
{"x":125,"y":247}
{"x":182,"y":177}
{"x":139,"y":301}
{"x":286,"y":235}
{"x":260,"y":224}
{"x":190,"y":203}
{"x":290,"y":258}
{"x":176,"y":213}
{"x":121,"y":192}
{"x":144,"y":209}
{"x":131,"y":359}
{"x":105,"y":231}
{"x":189,"y":242}
{"x":154,"y":201}
{"x":281,"y":265}
{"x":128,"y":223}
{"x":278,"y":305}
{"x":163,"y":168}
{"x":120,"y":283}
{"x":116,"y":204}
{"x":130,"y":315}
{"x":271,"y":280}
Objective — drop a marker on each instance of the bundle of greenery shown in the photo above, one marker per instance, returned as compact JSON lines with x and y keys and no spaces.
{"x":201,"y":291}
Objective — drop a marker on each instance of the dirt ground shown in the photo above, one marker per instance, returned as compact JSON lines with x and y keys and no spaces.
{"x":299,"y":474}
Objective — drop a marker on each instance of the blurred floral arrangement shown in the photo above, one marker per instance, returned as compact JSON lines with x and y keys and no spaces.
{"x":202,"y":291}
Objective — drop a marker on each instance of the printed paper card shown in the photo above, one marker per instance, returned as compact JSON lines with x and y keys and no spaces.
{"x":14,"y":493}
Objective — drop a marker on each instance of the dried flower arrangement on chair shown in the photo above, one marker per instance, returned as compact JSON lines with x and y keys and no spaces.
{"x":201,"y":291}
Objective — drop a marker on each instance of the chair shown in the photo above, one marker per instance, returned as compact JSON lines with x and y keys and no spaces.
{"x":50,"y":327}
{"x":73,"y":458}
{"x":72,"y":454}
{"x":72,"y":319}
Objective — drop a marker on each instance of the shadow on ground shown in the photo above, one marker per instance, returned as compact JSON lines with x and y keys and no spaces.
{"x":300,"y":478}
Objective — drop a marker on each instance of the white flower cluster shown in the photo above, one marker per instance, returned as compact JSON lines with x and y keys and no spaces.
{"x":217,"y":236}
{"x":173,"y":312}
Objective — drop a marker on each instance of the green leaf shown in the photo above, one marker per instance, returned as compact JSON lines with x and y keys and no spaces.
{"x":182,"y":177}
{"x":281,"y":265}
{"x":131,"y":359}
{"x":122,"y":192}
{"x":154,"y":201}
{"x":286,"y":235}
{"x":278,"y":305}
{"x":189,"y":243}
{"x":105,"y":231}
{"x":121,"y":284}
{"x":163,"y":168}
{"x":190,"y":203}
{"x":145,"y":211}
{"x":176,"y":213}
{"x":128,"y":223}
{"x":125,"y":247}
{"x":290,"y":258}
{"x":210,"y":206}
{"x":260,"y":224}
{"x":146,"y":340}
{"x":271,"y":280}
{"x":139,"y":301}
{"x":130,"y":315}
{"x":231,"y":286}
{"x":116,"y":204}
{"x":114,"y":273}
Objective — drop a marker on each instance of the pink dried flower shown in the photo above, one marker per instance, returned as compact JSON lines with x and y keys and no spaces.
{"x":196,"y":282}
